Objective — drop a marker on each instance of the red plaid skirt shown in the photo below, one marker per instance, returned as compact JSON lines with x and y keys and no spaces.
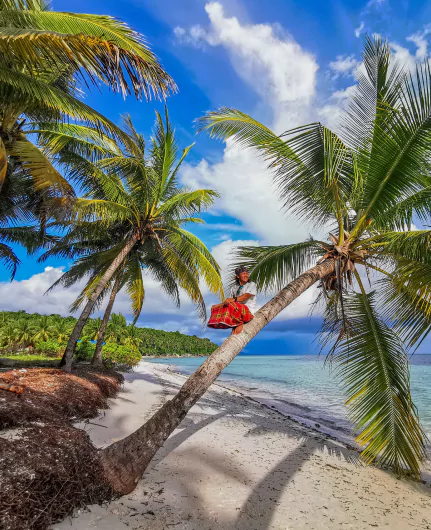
{"x":224,"y":316}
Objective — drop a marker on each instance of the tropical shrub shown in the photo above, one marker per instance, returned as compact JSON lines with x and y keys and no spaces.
{"x":84,"y":351}
{"x":115,"y":355}
{"x":50,"y":348}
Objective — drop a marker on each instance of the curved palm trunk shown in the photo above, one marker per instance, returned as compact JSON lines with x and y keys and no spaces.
{"x":97,"y":357}
{"x":66,"y":361}
{"x":125,"y":461}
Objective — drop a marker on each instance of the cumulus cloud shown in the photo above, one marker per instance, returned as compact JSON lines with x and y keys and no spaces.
{"x":30,"y":295}
{"x":247,"y":194}
{"x":421,"y":42}
{"x":263,"y":55}
{"x":284,"y":75}
{"x":344,"y":65}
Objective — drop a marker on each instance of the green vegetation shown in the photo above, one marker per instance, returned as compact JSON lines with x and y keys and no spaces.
{"x":369,"y":186}
{"x":29,"y":357}
{"x":125,"y":344}
{"x":47,"y":59}
{"x":132,"y":217}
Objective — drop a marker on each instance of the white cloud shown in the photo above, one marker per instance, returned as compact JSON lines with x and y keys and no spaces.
{"x":344,"y":65}
{"x":247,"y":194}
{"x":272,"y":62}
{"x":372,"y":3}
{"x":359,"y":29}
{"x":421,"y":41}
{"x":284,"y":75}
{"x":30,"y":295}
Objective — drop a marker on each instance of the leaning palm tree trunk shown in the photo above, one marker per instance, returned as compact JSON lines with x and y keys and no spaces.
{"x":97,"y":357}
{"x":66,"y":361}
{"x":125,"y":461}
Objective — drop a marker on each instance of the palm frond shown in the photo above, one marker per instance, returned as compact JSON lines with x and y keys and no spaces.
{"x":405,"y":299}
{"x":187,"y":203}
{"x":191,"y":248}
{"x":414,"y":245}
{"x":272,"y":268}
{"x":164,"y":150}
{"x":373,"y":366}
{"x":104,"y":211}
{"x":185,"y":273}
{"x":79,"y":139}
{"x":44,"y":174}
{"x":9,"y":259}
{"x":106,"y":48}
{"x":135,"y":285}
{"x":311,"y":165}
{"x":35,"y":93}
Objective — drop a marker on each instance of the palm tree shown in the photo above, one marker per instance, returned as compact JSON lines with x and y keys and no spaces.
{"x":132,"y":338}
{"x":43,"y":326}
{"x":137,"y":200}
{"x":7,"y":334}
{"x":60,"y":329}
{"x":46,"y":58}
{"x":369,"y":188}
{"x":45,"y":55}
{"x":24,"y":332}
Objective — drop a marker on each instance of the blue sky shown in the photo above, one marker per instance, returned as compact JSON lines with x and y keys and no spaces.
{"x":286,"y":63}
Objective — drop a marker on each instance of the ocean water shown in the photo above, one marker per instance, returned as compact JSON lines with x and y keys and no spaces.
{"x":300,"y":385}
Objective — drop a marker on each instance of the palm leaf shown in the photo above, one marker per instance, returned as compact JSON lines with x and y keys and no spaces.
{"x":187,"y":203}
{"x":311,"y":165}
{"x":192,"y":249}
{"x":272,"y":268}
{"x":86,"y":142}
{"x":44,"y":174}
{"x":105,"y":47}
{"x":135,"y":285}
{"x":373,"y":366}
{"x":20,"y":89}
{"x":9,"y":259}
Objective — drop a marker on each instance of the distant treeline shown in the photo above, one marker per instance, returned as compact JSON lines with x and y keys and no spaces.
{"x":49,"y":333}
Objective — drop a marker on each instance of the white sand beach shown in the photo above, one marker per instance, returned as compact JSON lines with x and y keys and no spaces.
{"x":236,"y":464}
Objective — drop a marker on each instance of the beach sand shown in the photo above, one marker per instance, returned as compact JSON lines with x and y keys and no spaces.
{"x":236,"y":464}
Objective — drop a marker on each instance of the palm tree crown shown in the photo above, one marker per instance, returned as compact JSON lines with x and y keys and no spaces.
{"x":366,"y":189}
{"x":46,"y":58}
{"x":134,"y":213}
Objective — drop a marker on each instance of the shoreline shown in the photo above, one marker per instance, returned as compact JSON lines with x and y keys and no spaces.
{"x":292,"y":411}
{"x":334,"y":434}
{"x":234,"y":463}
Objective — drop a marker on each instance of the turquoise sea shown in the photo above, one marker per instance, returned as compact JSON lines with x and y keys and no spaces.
{"x":300,"y":385}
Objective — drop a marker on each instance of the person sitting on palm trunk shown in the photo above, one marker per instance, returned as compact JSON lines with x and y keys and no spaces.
{"x":239,"y":308}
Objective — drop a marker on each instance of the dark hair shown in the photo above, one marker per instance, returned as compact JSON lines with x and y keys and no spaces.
{"x":238,"y":271}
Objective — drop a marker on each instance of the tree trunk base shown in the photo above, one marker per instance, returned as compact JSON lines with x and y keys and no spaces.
{"x":125,"y":461}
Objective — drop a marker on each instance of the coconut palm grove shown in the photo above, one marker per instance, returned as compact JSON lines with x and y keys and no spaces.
{"x":117,"y":243}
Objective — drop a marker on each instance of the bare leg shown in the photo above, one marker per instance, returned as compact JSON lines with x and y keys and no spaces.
{"x":238,"y":329}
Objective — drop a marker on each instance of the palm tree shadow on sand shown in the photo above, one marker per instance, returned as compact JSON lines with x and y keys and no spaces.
{"x":258,"y":509}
